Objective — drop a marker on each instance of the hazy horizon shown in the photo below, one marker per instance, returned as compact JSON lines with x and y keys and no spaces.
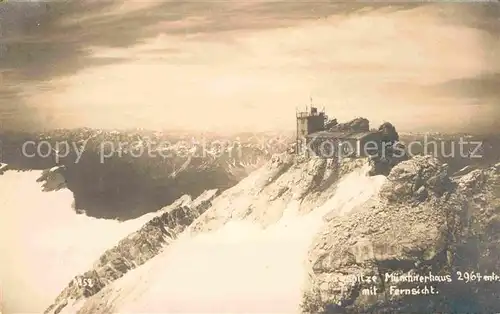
{"x":247,"y":65}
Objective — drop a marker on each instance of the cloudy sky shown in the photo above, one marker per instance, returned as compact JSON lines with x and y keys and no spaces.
{"x":246,"y":65}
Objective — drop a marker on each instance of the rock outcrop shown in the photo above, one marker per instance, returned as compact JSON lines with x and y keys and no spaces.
{"x":389,"y":156}
{"x":388,"y":132}
{"x":53,"y":179}
{"x":135,"y":249}
{"x":357,"y":124}
{"x":422,"y":223}
{"x":329,"y":124}
{"x":3,"y":167}
{"x":390,"y":153}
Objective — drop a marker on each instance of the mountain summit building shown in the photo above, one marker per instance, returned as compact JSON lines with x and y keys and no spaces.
{"x":319,"y":136}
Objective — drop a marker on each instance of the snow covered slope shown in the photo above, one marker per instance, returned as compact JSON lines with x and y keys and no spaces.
{"x":247,"y":252}
{"x":44,"y":243}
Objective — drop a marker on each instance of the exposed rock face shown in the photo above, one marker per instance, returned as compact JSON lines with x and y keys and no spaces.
{"x":389,"y":133}
{"x":53,"y":179}
{"x":331,"y":123}
{"x":135,"y":249}
{"x":3,"y":168}
{"x":391,"y":153}
{"x":358,"y":124}
{"x":465,"y":170}
{"x":264,"y":195}
{"x":389,"y":156}
{"x":422,"y":222}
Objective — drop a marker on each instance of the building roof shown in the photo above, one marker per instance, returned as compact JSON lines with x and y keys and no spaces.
{"x":341,"y":134}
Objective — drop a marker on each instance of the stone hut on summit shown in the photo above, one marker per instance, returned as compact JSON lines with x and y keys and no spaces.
{"x":322,"y":137}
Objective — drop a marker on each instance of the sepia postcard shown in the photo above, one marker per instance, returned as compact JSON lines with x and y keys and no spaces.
{"x":249,"y":156}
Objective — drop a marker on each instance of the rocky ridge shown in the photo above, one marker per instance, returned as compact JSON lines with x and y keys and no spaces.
{"x":262,"y":198}
{"x":423,"y":220}
{"x":3,"y":167}
{"x":135,"y":249}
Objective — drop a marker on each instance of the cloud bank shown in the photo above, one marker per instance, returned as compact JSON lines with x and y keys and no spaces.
{"x":223,"y":65}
